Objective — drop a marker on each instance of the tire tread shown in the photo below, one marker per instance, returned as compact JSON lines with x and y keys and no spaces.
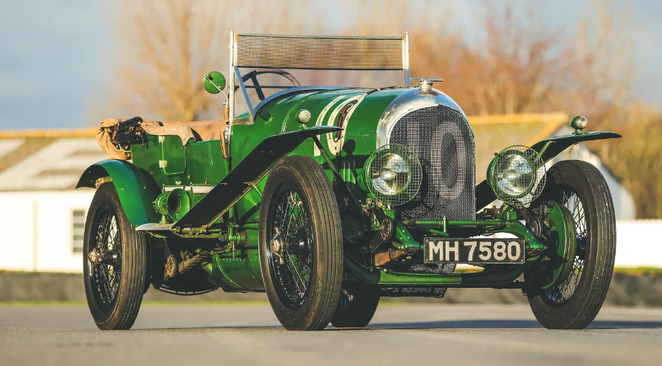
{"x":581,"y":309}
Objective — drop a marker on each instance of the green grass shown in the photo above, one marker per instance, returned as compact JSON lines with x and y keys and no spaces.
{"x":638,"y":271}
{"x":42,"y":303}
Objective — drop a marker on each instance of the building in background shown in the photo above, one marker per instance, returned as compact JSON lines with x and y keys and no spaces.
{"x":42,"y":218}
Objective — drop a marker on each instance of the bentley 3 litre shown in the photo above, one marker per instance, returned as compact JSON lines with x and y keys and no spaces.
{"x":328,"y":198}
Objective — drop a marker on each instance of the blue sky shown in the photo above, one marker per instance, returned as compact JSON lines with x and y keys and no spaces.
{"x":52,"y":61}
{"x":53,"y":57}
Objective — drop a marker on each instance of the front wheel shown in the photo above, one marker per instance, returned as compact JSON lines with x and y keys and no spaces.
{"x":114,"y":263}
{"x":301,"y":254}
{"x":574,"y":302}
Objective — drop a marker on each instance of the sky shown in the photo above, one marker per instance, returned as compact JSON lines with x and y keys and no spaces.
{"x":52,"y":61}
{"x":54,"y":56}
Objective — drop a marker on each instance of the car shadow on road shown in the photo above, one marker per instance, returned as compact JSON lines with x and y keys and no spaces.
{"x":440,"y":325}
{"x":460,"y":324}
{"x":625,"y":324}
{"x":511,"y":324}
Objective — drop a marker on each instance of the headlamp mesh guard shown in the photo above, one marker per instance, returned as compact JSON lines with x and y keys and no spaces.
{"x":533,"y":184}
{"x":380,"y":159}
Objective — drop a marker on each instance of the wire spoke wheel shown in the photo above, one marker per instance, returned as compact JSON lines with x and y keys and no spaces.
{"x":290,"y":251}
{"x":105,"y":275}
{"x":115,"y":263}
{"x":561,"y":293}
{"x":300,"y":244}
{"x":574,"y":302}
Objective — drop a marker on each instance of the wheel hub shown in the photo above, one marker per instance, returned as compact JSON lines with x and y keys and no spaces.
{"x":95,"y":257}
{"x":99,"y":256}
{"x":277,"y":246}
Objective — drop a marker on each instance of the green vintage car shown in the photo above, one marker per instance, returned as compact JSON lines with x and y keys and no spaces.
{"x":329,"y":198}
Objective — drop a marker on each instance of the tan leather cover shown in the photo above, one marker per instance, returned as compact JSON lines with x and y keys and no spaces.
{"x":197,"y":131}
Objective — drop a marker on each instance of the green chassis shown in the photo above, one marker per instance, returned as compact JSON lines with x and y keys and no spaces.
{"x":229,"y":220}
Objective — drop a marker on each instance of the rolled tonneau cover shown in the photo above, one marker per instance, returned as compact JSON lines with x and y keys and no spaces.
{"x":196,"y":131}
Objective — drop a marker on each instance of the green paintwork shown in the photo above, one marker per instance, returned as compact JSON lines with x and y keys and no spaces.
{"x":555,"y":145}
{"x":203,"y":161}
{"x":235,"y":272}
{"x":563,"y":244}
{"x":167,"y":163}
{"x":172,"y":155}
{"x":134,"y":188}
{"x":214,"y":82}
{"x":173,"y":204}
{"x":404,"y":238}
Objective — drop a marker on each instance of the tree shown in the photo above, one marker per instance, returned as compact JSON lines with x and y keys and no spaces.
{"x":166,"y":46}
{"x":509,"y":70}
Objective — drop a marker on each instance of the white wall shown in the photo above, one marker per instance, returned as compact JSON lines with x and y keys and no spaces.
{"x":639,"y":243}
{"x":17,"y":240}
{"x":41,"y":220}
{"x":623,"y":201}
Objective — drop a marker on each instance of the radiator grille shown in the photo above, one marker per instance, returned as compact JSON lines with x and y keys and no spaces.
{"x":443,"y":141}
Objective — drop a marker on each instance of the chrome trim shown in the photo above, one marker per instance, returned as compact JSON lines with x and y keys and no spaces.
{"x":233,"y":52}
{"x":153,"y":226}
{"x":407,"y":102}
{"x":319,"y":36}
{"x":231,"y":101}
{"x":405,"y":58}
{"x":193,"y":189}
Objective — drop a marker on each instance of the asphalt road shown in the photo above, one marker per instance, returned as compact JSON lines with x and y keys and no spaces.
{"x":402,"y":334}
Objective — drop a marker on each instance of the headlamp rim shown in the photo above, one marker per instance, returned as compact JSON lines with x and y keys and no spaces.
{"x":498,"y":159}
{"x":414,"y":168}
{"x":535,"y":186}
{"x":409,"y":175}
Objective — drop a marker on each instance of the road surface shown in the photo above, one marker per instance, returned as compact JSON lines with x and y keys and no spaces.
{"x":400,"y":334}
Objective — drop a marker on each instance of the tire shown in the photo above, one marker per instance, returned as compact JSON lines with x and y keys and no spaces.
{"x":574,"y":303}
{"x":114,"y":280}
{"x":301,"y":259}
{"x":356,"y":309}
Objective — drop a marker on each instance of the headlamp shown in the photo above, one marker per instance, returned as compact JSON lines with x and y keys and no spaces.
{"x":393,"y":174}
{"x":517,"y":175}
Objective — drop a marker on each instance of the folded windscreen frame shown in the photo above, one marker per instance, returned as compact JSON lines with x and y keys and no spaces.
{"x":263,"y":51}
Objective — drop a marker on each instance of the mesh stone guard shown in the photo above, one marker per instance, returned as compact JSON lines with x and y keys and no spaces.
{"x":320,"y":52}
{"x":443,"y":141}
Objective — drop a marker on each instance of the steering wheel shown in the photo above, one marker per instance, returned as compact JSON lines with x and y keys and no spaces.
{"x":256,"y":85}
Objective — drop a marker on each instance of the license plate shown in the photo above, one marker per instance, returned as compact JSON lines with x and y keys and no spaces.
{"x":474,"y":251}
